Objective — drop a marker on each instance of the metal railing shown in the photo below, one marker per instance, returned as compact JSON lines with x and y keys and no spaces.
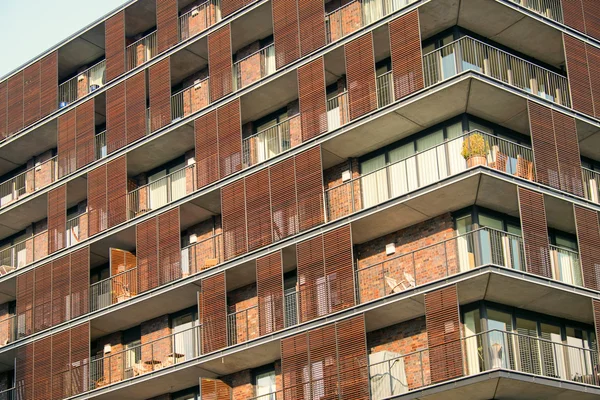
{"x":199,"y":18}
{"x":28,"y":182}
{"x":141,"y":51}
{"x":268,"y":143}
{"x":290,"y":304}
{"x":483,"y":246}
{"x":201,"y":255}
{"x":337,"y":111}
{"x":100,"y":150}
{"x":551,"y":9}
{"x":81,"y":85}
{"x":467,"y":53}
{"x":190,"y":99}
{"x":115,"y":289}
{"x":8,"y":330}
{"x":161,"y":192}
{"x":242,"y":325}
{"x":385,"y":89}
{"x":244,"y":69}
{"x":426,"y":167}
{"x":23,"y":253}
{"x":76,"y":229}
{"x":565,"y":265}
{"x":278,"y":395}
{"x":591,"y":184}
{"x":10,"y":394}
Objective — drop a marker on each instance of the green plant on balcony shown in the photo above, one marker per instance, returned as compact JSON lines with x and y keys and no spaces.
{"x":475,"y":149}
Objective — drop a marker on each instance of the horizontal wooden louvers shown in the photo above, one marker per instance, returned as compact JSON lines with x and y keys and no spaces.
{"x":15,"y":103}
{"x":588,"y":238}
{"x":135,"y":105}
{"x":220,"y":63}
{"x":115,"y":118}
{"x":213,"y":315}
{"x":207,"y":149}
{"x":96,"y":200}
{"x":76,"y":138}
{"x":311,"y":18}
{"x":312,"y":99}
{"x":66,"y":151}
{"x":535,"y":232}
{"x":582,"y":15}
{"x":269,"y":290}
{"x":160,"y":94}
{"x":3,"y":110}
{"x":214,"y":389}
{"x":146,"y":244}
{"x":115,"y":45}
{"x":286,"y":36}
{"x":167,"y":24}
{"x":406,"y":54}
{"x":31,"y":94}
{"x":116,"y":193}
{"x":49,"y":84}
{"x":583,"y":70}
{"x":57,"y":218}
{"x":360,"y":75}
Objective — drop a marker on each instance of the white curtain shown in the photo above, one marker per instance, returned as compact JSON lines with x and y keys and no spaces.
{"x":265,"y":384}
{"x":372,"y":11}
{"x":471,"y":344}
{"x":387,"y":375}
{"x":269,"y":62}
{"x":456,"y":162}
{"x":334,"y":119}
{"x":184,"y":341}
{"x":157,"y":189}
{"x":402,"y":170}
{"x":374,"y":181}
{"x":431,"y":158}
{"x":178,"y":181}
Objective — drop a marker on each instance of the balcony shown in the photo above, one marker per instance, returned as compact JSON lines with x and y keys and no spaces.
{"x":591,"y":184}
{"x":76,"y":229}
{"x":199,"y":18}
{"x":28,"y":182}
{"x":385,"y":89}
{"x":190,"y":100}
{"x":201,"y":255}
{"x":100,"y":150}
{"x":565,"y":265}
{"x":551,"y":9}
{"x":115,"y":289}
{"x":83,"y":84}
{"x":242,"y":326}
{"x":23,"y":253}
{"x":337,"y":111}
{"x":8,"y":331}
{"x":270,"y":142}
{"x":254,"y":67}
{"x":141,"y":51}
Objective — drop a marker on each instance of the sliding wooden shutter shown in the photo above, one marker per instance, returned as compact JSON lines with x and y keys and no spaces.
{"x":596,"y":309}
{"x":214,"y":389}
{"x":80,"y":282}
{"x":593,"y":64}
{"x":294,"y":367}
{"x":115,"y":118}
{"x":535,"y":232}
{"x":48,"y":84}
{"x":85,"y":134}
{"x":259,"y":206}
{"x":312,"y":99}
{"x":167,"y":24}
{"x":146,"y":240}
{"x":352,"y":360}
{"x":25,"y":287}
{"x":97,"y":209}
{"x":311,"y":16}
{"x":80,"y":354}
{"x":3,"y":110}
{"x":443,"y":334}
{"x":24,"y":372}
{"x":285,"y":31}
{"x":269,"y":290}
{"x":220,"y":62}
{"x":567,"y":147}
{"x":42,"y":298}
{"x":116,"y":194}
{"x":311,"y":279}
{"x":582,"y":15}
{"x":115,"y":45}
{"x":169,"y":246}
{"x":42,"y":368}
{"x":233,"y":211}
{"x":339,"y":268}
{"x":15,"y":103}
{"x":214,"y":313}
{"x":322,"y":349}
{"x":57,"y":218}
{"x":406,"y":54}
{"x":230,"y":137}
{"x":573,"y":14}
{"x":544,"y":145}
{"x":160,"y":94}
{"x":309,"y":188}
{"x":284,"y":203}
{"x":61,"y":384}
{"x":135,"y":104}
{"x":61,"y":288}
{"x":31,"y":94}
{"x":579,"y":76}
{"x":207,"y":149}
{"x":588,"y":238}
{"x":67,"y":153}
{"x":360,"y":75}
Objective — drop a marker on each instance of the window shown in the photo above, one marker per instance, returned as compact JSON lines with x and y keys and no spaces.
{"x":564,"y":258}
{"x":133,"y":350}
{"x":185,"y":336}
{"x":187,"y":394}
{"x":265,"y":384}
{"x":167,"y":183}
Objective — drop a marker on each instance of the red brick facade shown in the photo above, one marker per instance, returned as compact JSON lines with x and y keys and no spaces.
{"x":243,"y":314}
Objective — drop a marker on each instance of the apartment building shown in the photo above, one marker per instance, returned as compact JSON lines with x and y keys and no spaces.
{"x":301,"y":200}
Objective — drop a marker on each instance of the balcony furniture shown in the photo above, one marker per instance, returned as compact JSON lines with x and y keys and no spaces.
{"x":5,"y":269}
{"x":396,"y":287}
{"x":101,"y":382}
{"x":140,"y":369}
{"x":153,"y":364}
{"x":173,"y":358}
{"x":122,"y":291}
{"x":524,"y":168}
{"x":210,"y":262}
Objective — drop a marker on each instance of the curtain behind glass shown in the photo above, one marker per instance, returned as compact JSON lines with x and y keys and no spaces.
{"x":431,"y":158}
{"x":402,"y":170}
{"x":374,"y":184}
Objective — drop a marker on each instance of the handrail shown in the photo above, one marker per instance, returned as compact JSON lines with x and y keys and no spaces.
{"x":143,"y":38}
{"x":150,"y":47}
{"x":261,"y":50}
{"x":113,"y":277}
{"x":201,"y":241}
{"x":201,"y":81}
{"x":591,"y":184}
{"x":68,"y":91}
{"x":184,"y":19}
{"x":288,"y":119}
{"x":17,"y":186}
{"x":267,"y":65}
{"x":268,"y":142}
{"x":551,"y":9}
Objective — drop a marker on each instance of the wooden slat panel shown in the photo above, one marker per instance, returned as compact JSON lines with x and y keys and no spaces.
{"x":312,"y":99}
{"x":269,"y":290}
{"x":160,"y":94}
{"x":443,"y":334}
{"x":311,"y":16}
{"x":311,"y":279}
{"x":85,"y":134}
{"x":230,"y":138}
{"x":360,"y":75}
{"x":593,"y":63}
{"x":42,"y":298}
{"x":136,"y":107}
{"x":97,"y":207}
{"x":116,"y":193}
{"x":67,"y":152}
{"x":15,"y":103}
{"x":31,"y":93}
{"x":61,"y":382}
{"x":146,"y":239}
{"x":214,"y":317}
{"x":233,"y":214}
{"x":591,"y":15}
{"x":535,"y":232}
{"x":228,"y":7}
{"x":573,"y":14}
{"x":80,"y":354}
{"x":214,"y":389}
{"x":42,"y":368}
{"x":220,"y":62}
{"x":309,"y":188}
{"x":115,"y":45}
{"x":352,"y":358}
{"x":588,"y":238}
{"x":24,"y":372}
{"x":339,"y":268}
{"x":167,"y":24}
{"x":25,"y":284}
{"x":61,"y":290}
{"x":322,"y":351}
{"x":259,"y":204}
{"x":567,"y":147}
{"x":3,"y":110}
{"x":544,"y":145}
{"x":578,"y":73}
{"x":406,"y":54}
{"x":57,"y":218}
{"x":294,"y":365}
{"x":169,"y":246}
{"x":207,"y":149}
{"x":115,"y":118}
{"x":80,"y":282}
{"x":284,"y":204}
{"x":286,"y":35}
{"x":49,"y":84}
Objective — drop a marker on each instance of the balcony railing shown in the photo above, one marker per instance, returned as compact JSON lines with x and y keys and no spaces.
{"x":565,"y":265}
{"x":269,"y":142}
{"x":385,"y":89}
{"x":23,"y":253}
{"x":81,"y":85}
{"x":8,"y":331}
{"x":591,"y":184}
{"x":337,"y":111}
{"x":10,"y":394}
{"x":204,"y":254}
{"x":467,"y":53}
{"x":141,"y":51}
{"x":424,"y":168}
{"x":115,"y":289}
{"x":100,"y":150}
{"x":199,"y":18}
{"x":483,"y":246}
{"x":242,"y":325}
{"x":254,"y":67}
{"x":190,"y":100}
{"x":76,"y":229}
{"x":551,"y":9}
{"x":161,"y":192}
{"x":486,"y":351}
{"x":278,"y":395}
{"x":290,"y":305}
{"x":28,"y":182}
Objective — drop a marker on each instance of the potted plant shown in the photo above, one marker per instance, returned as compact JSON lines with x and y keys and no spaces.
{"x":475,"y":149}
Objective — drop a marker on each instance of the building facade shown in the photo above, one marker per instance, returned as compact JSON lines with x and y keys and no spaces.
{"x":302,"y":200}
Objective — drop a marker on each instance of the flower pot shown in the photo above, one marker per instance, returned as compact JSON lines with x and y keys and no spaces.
{"x":476,"y":160}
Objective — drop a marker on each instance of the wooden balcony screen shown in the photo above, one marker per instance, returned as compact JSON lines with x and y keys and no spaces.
{"x":312,"y":99}
{"x":24,"y":371}
{"x":284,"y":202}
{"x":116,"y":136}
{"x":269,"y":290}
{"x":24,"y":297}
{"x":3,"y":110}
{"x":228,"y":7}
{"x":258,"y":218}
{"x":66,"y":143}
{"x":567,"y":147}
{"x":360,"y":75}
{"x":31,"y":94}
{"x":15,"y":103}
{"x":581,"y":81}
{"x":286,"y":35}
{"x":85,"y":134}
{"x":214,"y":313}
{"x":406,"y":54}
{"x":96,"y":201}
{"x":588,"y":239}
{"x":230,"y":137}
{"x":57,"y":218}
{"x":535,"y":232}
{"x":352,"y":358}
{"x":146,"y":244}
{"x":582,"y":15}
{"x":593,"y":63}
{"x":48,"y":84}
{"x":160,"y":94}
{"x":207,"y":149}
{"x":311,"y":16}
{"x":61,"y":290}
{"x":115,"y":45}
{"x":116,"y":194}
{"x":169,"y":246}
{"x":135,"y":104}
{"x":220,"y":62}
{"x":233,"y":211}
{"x":309,"y":188}
{"x":214,"y":389}
{"x":167,"y":24}
{"x":443,"y":334}
{"x":80,"y":282}
{"x":42,"y":368}
{"x":60,"y":364}
{"x":42,"y":298}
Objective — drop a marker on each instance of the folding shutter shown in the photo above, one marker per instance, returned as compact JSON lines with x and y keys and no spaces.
{"x":57,"y":218}
{"x":294,"y":367}
{"x":544,"y":146}
{"x":97,"y":210}
{"x":312,"y":99}
{"x":80,"y":354}
{"x":214,"y":389}
{"x":61,"y":379}
{"x":42,"y":368}
{"x":233,"y":214}
{"x":146,"y":239}
{"x":230,"y":138}
{"x":135,"y":104}
{"x":591,"y":15}
{"x":25,"y":284}
{"x":214,"y":313}
{"x":3,"y":110}
{"x":61,"y":290}
{"x":160,"y":94}
{"x":220,"y":62}
{"x":311,"y":279}
{"x":115,"y":118}
{"x":443,"y":334}
{"x":567,"y":147}
{"x":593,"y":64}
{"x":360,"y":75}
{"x":588,"y":238}
{"x":66,"y":150}
{"x":15,"y":103}
{"x":286,"y":36}
{"x":207,"y":149}
{"x":352,"y":359}
{"x":115,"y":45}
{"x":24,"y":372}
{"x":284,"y":204}
{"x":169,"y":246}
{"x":80,"y":282}
{"x":49,"y":84}
{"x":578,"y":73}
{"x":309,"y":188}
{"x":311,"y":15}
{"x":85,"y":134}
{"x":339,"y":268}
{"x":406,"y":54}
{"x":535,"y":232}
{"x":269,"y":290}
{"x":116,"y":193}
{"x":322,"y":343}
{"x":167,"y":24}
{"x":573,"y":14}
{"x":31,"y":94}
{"x":42,"y":298}
{"x":259,"y":205}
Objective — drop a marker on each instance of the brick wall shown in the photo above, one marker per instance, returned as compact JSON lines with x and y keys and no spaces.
{"x":340,"y":199}
{"x":344,"y":21}
{"x":190,"y":173}
{"x":40,"y":241}
{"x":205,"y":17}
{"x":242,"y":383}
{"x":245,"y":324}
{"x":196,"y":96}
{"x":157,"y":331}
{"x":293,"y":108}
{"x":207,"y":252}
{"x":6,"y":326}
{"x":249,"y":69}
{"x":112,"y":367}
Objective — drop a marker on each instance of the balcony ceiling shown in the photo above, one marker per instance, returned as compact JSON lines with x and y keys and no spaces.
{"x":100,"y":250}
{"x":140,"y":17}
{"x":18,"y":152}
{"x":256,"y":25}
{"x":269,"y":97}
{"x":81,"y":52}
{"x":191,"y":59}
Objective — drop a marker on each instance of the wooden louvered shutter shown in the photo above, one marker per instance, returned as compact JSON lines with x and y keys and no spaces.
{"x":535,"y":232}
{"x":167,"y":24}
{"x":567,"y":147}
{"x":61,"y":380}
{"x":116,"y":193}
{"x":57,"y":218}
{"x":25,"y":284}
{"x":80,"y":354}
{"x":146,"y":240}
{"x":360,"y":75}
{"x":31,"y":94}
{"x":230,"y":138}
{"x":406,"y":54}
{"x":67,"y":153}
{"x":169,"y":246}
{"x":115,"y":45}
{"x":228,"y":7}
{"x":596,"y":309}
{"x":160,"y":94}
{"x":578,"y":73}
{"x":339,"y":268}
{"x":214,"y":313}
{"x":49,"y":84}
{"x":591,"y":15}
{"x":311,"y":16}
{"x":294,"y":366}
{"x":312,"y":99}
{"x":24,"y":372}
{"x":3,"y":110}
{"x":593,"y":63}
{"x":269,"y":290}
{"x":588,"y":238}
{"x":233,"y":212}
{"x":352,"y":359}
{"x":443,"y":334}
{"x":220,"y":62}
{"x":42,"y":368}
{"x":309,"y":188}
{"x":284,"y":205}
{"x":115,"y":118}
{"x":97,"y":210}
{"x":80,"y":282}
{"x":544,"y":145}
{"x":214,"y":389}
{"x":61,"y":290}
{"x":258,"y":202}
{"x":207,"y":149}
{"x":135,"y":104}
{"x":311,"y":279}
{"x":85,"y":134}
{"x":286,"y":36}
{"x":322,"y":353}
{"x":42,"y":298}
{"x":573,"y":14}
{"x":15,"y":103}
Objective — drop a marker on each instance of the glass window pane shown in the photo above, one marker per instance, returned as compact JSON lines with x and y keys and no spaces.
{"x":566,"y":242}
{"x":402,"y":152}
{"x":490,"y":222}
{"x":477,"y":126}
{"x":453,"y":131}
{"x":431,"y":140}
{"x":499,"y":320}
